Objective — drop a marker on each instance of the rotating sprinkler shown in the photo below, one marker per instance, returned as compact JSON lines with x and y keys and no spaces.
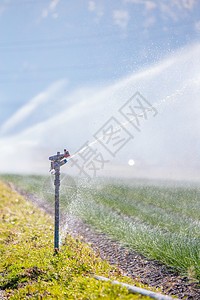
{"x":56,"y":162}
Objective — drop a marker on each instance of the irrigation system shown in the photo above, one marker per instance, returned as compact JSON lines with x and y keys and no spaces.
{"x":57,"y":161}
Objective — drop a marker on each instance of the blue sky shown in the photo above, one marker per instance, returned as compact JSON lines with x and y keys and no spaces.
{"x":87,"y":42}
{"x":58,"y":55}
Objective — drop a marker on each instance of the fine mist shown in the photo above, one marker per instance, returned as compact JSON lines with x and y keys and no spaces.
{"x":166,"y":147}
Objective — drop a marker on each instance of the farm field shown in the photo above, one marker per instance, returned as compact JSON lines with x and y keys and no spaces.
{"x":159,"y":219}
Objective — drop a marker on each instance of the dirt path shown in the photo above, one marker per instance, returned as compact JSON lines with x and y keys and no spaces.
{"x":149,"y":272}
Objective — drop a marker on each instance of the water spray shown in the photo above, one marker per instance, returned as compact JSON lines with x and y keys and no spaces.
{"x":56,"y":162}
{"x":124,"y":124}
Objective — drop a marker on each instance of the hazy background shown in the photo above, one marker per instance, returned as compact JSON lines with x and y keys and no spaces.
{"x":67,"y":67}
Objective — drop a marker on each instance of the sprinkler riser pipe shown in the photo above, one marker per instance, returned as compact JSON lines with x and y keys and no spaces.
{"x":56,"y":163}
{"x":57,"y":186}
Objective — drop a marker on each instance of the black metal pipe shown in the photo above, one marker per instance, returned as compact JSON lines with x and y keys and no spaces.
{"x":57,"y":186}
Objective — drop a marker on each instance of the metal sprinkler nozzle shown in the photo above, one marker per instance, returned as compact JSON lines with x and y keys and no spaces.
{"x":56,"y":162}
{"x":57,"y":159}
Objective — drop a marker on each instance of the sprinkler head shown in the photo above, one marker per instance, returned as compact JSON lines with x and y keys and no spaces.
{"x":58,"y":156}
{"x":57,"y":160}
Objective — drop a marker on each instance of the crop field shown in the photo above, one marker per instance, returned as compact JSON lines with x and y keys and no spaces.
{"x":158,"y":219}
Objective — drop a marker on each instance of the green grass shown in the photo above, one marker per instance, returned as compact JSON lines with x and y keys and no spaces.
{"x":28,"y":268}
{"x":159,"y":219}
